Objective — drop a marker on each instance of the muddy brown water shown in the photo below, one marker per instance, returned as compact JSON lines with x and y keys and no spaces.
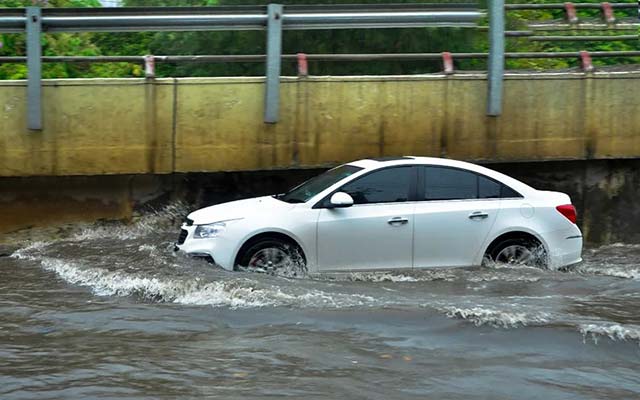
{"x":109,"y":311}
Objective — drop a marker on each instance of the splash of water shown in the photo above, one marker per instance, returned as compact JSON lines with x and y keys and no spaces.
{"x":148,"y":223}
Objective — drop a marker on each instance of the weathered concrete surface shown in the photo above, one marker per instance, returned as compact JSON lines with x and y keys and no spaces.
{"x":133,"y":126}
{"x":40,"y":201}
{"x":605,"y":193}
{"x":92,"y":127}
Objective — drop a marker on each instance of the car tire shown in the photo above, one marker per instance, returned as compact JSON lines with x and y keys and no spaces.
{"x":274,"y":256}
{"x":519,"y":251}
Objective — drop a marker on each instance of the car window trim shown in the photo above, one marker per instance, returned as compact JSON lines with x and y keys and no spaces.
{"x":422,"y":185}
{"x":413,"y":185}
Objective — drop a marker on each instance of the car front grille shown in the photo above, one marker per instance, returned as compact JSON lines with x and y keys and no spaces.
{"x":188,"y":221}
{"x":183,"y":236}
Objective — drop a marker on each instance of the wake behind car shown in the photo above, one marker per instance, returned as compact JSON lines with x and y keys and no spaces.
{"x":390,"y":213}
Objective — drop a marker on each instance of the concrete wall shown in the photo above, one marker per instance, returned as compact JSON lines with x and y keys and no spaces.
{"x":133,"y":126}
{"x":605,"y":193}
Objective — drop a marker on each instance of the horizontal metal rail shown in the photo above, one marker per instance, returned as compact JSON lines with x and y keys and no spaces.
{"x":241,"y":9}
{"x":561,"y":6}
{"x":535,"y":36}
{"x":250,"y":58}
{"x":243,"y":18}
{"x":585,"y":38}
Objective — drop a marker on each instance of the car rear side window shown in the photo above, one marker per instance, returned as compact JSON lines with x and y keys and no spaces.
{"x":507,"y":192}
{"x":450,"y":184}
{"x":443,"y":183}
{"x":385,"y":186}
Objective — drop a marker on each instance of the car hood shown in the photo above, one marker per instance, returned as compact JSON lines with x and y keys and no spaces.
{"x":238,"y":209}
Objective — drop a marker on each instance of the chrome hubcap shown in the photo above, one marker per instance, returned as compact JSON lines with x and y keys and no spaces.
{"x":516,"y":255}
{"x":270,"y":259}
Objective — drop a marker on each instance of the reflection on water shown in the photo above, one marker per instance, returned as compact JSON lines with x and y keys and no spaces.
{"x":110,"y":311}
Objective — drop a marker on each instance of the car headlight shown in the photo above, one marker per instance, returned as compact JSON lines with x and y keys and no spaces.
{"x":209,"y":231}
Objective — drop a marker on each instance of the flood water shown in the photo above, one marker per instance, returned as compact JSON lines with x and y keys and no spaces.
{"x":110,"y":311}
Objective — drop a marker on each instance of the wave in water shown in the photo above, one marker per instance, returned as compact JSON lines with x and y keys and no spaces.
{"x":386,"y":276}
{"x":612,"y":331}
{"x":234,"y":293}
{"x":496,"y":318}
{"x":617,"y":271}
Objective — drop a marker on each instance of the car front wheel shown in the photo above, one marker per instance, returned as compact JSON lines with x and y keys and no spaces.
{"x":274,"y":256}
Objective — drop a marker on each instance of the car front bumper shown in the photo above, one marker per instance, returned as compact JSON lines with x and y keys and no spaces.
{"x":218,"y":249}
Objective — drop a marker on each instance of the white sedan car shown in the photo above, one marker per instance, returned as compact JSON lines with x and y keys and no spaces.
{"x":390,"y":213}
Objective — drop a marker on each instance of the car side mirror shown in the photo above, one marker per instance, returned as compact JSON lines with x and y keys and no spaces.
{"x":340,"y":200}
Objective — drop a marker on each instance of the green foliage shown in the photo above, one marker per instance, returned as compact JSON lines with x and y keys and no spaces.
{"x":314,"y":42}
{"x":519,"y":21}
{"x":424,"y":40}
{"x":80,"y":44}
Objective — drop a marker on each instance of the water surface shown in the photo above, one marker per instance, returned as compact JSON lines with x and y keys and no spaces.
{"x":110,"y":311}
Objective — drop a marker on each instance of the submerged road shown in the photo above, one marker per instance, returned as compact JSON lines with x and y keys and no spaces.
{"x":110,"y":311}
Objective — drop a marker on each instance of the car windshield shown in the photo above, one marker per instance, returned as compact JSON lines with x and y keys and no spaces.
{"x":310,"y":188}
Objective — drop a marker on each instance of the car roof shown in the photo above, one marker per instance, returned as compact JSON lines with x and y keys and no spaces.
{"x":376,"y":163}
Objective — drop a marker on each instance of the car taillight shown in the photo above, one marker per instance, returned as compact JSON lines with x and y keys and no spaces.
{"x":569,"y":211}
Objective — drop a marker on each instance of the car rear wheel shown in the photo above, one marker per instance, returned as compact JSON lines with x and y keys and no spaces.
{"x":274,"y":256}
{"x":520,"y":251}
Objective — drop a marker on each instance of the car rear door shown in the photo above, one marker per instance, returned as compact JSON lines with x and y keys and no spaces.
{"x":454,"y":217}
{"x":377,"y":231}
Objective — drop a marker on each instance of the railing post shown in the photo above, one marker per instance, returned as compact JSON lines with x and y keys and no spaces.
{"x":274,"y":55}
{"x":570,"y":10}
{"x":585,"y":61}
{"x":607,"y":12}
{"x":149,"y":66}
{"x":303,"y":66}
{"x":34,"y":68}
{"x":447,"y":63}
{"x":496,"y":57}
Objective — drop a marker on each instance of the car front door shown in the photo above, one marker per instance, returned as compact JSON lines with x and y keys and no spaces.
{"x":456,"y":214}
{"x":376,"y":232}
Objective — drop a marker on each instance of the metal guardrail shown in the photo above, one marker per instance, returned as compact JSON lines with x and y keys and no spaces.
{"x":274,"y":18}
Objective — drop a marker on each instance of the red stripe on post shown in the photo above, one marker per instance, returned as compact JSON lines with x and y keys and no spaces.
{"x":607,"y":12}
{"x":303,"y":67}
{"x":570,"y":9}
{"x":585,"y":59}
{"x":447,"y":62}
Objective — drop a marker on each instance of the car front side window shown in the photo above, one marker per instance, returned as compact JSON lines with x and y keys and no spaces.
{"x":390,"y":185}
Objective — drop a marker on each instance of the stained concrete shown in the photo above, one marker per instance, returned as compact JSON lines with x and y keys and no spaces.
{"x":163,"y":126}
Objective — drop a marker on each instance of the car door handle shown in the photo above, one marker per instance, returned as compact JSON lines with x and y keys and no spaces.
{"x":478,"y":215}
{"x":398,"y":221}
